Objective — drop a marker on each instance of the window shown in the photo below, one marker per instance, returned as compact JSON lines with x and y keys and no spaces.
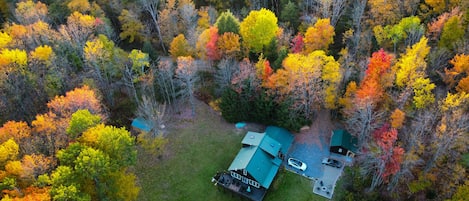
{"x":340,"y":150}
{"x":255,"y":184}
{"x":245,"y":172}
{"x":235,"y":175}
{"x":245,"y":180}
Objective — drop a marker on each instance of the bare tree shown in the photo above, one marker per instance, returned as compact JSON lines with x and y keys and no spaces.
{"x":226,"y":70}
{"x":167,"y":85}
{"x":151,"y":6}
{"x":186,"y":72}
{"x":188,"y":15}
{"x":153,"y":112}
{"x":363,"y":121}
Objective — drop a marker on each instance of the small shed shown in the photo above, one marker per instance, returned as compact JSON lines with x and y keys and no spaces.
{"x":141,"y":124}
{"x":342,"y":142}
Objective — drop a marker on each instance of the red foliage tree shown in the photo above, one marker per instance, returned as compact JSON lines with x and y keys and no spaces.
{"x":213,"y":52}
{"x":297,"y":44}
{"x":391,"y":155}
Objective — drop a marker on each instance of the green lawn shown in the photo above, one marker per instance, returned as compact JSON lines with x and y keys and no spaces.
{"x":196,"y":151}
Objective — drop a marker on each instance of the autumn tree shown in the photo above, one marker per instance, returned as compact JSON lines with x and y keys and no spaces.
{"x":93,"y":167}
{"x":80,"y":121}
{"x":311,"y":81}
{"x":384,"y":158}
{"x":229,"y":44}
{"x":28,"y":12}
{"x":451,"y":129}
{"x":131,"y":27}
{"x":79,"y":29}
{"x":319,"y":36}
{"x":179,"y":47}
{"x":410,"y":75}
{"x":363,"y":117}
{"x":258,"y":29}
{"x":458,"y":75}
{"x":297,"y":44}
{"x":384,"y":12}
{"x":227,"y":22}
{"x":409,"y":30}
{"x":436,"y":26}
{"x":81,"y":6}
{"x":79,"y":98}
{"x":17,"y":86}
{"x":453,"y":31}
{"x":102,"y":59}
{"x":213,"y":52}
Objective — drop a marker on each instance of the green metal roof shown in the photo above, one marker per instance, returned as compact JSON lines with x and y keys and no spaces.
{"x":253,"y":138}
{"x":259,"y":155}
{"x":344,"y":139}
{"x":281,"y":135}
{"x":270,"y":146}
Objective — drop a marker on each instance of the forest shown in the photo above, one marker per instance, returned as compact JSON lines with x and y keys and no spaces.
{"x":74,"y":73}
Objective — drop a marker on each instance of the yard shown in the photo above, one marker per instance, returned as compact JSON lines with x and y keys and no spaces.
{"x":197,"y":149}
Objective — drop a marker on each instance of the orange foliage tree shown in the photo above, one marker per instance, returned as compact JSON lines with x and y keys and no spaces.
{"x":319,"y":36}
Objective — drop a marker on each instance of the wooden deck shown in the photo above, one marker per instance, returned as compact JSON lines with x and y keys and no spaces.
{"x":239,"y":188}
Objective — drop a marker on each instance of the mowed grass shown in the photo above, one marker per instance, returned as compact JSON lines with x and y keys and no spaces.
{"x":197,"y":150}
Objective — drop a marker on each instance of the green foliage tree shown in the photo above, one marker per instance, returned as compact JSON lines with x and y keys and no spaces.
{"x":131,"y":27}
{"x":227,"y":22}
{"x":82,"y":120}
{"x":115,"y":142}
{"x":453,"y":31}
{"x":290,"y":14}
{"x":258,"y":29}
{"x":94,"y":168}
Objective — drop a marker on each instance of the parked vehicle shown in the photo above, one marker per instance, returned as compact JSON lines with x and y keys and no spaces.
{"x":295,"y":163}
{"x":332,"y":162}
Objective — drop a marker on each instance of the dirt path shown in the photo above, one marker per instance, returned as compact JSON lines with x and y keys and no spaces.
{"x":321,"y":127}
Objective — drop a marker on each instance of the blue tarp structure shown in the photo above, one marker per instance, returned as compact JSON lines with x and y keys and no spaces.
{"x":141,"y":124}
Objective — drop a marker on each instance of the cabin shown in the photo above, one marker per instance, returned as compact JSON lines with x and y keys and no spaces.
{"x":342,"y":142}
{"x":255,"y":166}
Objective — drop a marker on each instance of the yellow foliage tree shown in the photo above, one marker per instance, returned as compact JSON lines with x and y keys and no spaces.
{"x":311,"y":80}
{"x":258,"y":29}
{"x":14,"y":168}
{"x":9,"y":150}
{"x":423,"y":95}
{"x":455,"y":100}
{"x":42,"y":53}
{"x":319,"y":36}
{"x":412,"y":64}
{"x":15,"y":56}
{"x":28,"y":12}
{"x":179,"y":47}
{"x":81,"y":6}
{"x":5,"y":39}
{"x":347,"y":100}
